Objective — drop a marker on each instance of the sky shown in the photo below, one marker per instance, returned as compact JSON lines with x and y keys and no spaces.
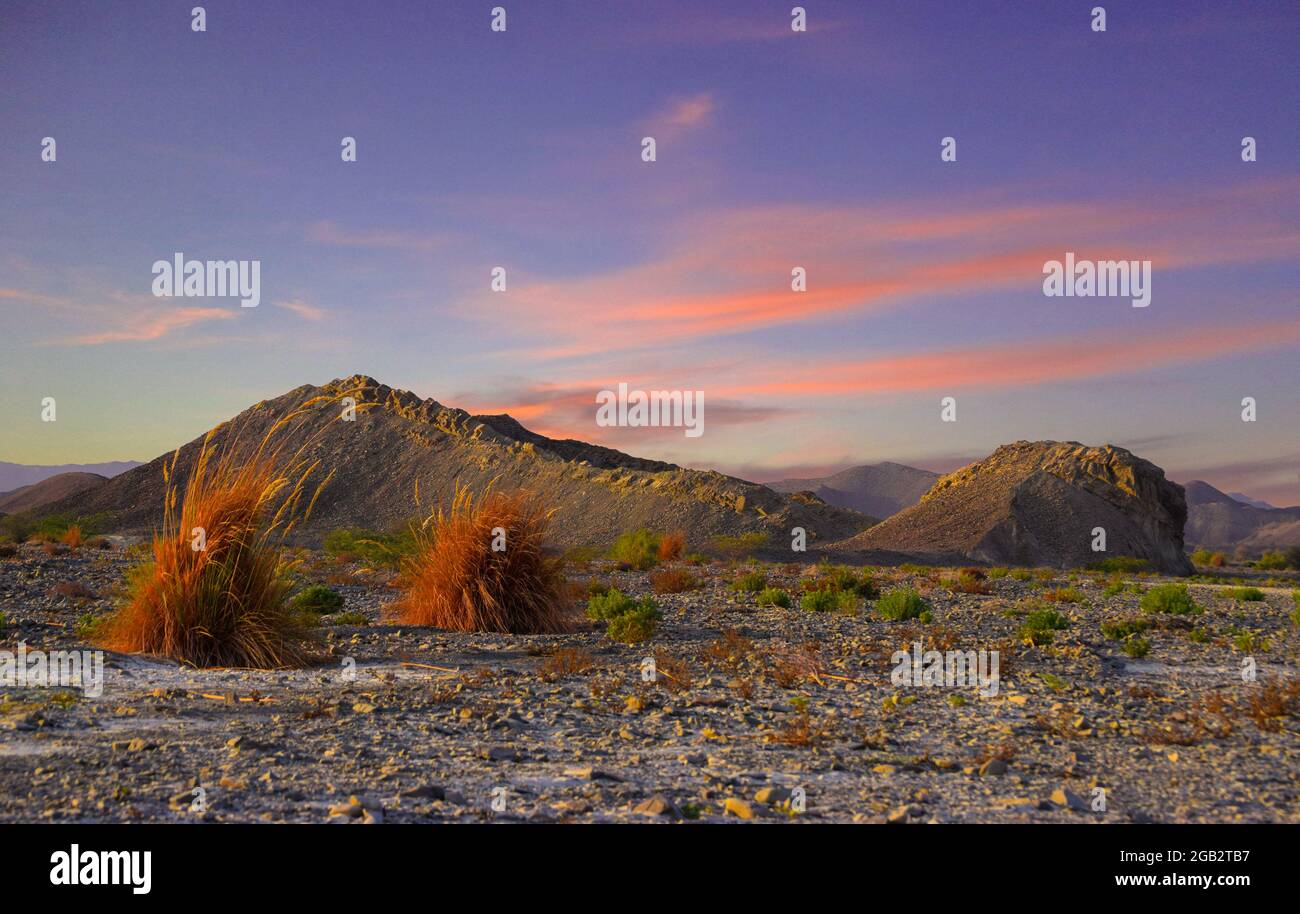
{"x":775,"y":149}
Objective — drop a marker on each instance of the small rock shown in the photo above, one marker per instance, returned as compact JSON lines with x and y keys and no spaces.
{"x":993,"y":766}
{"x":1070,"y":799}
{"x":770,"y":795}
{"x":738,"y":808}
{"x":657,"y":805}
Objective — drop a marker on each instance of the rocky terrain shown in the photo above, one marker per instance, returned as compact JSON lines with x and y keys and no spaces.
{"x":399,"y":441}
{"x":1038,"y":503}
{"x":877,"y":489}
{"x":753,"y":713}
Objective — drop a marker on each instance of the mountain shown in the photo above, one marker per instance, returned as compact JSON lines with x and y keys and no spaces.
{"x":398,"y":440}
{"x":16,"y":475}
{"x":1247,"y":500}
{"x":1037,"y":503}
{"x":878,"y":489}
{"x":1216,"y":520}
{"x":48,"y":491}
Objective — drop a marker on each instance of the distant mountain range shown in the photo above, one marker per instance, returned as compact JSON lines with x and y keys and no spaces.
{"x":1220,"y":521}
{"x":878,"y":489}
{"x":16,"y":475}
{"x":1027,"y":503}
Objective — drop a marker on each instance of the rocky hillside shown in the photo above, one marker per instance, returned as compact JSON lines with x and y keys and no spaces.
{"x":878,"y":489}
{"x":399,"y":440}
{"x":1219,"y":521}
{"x":48,"y":491}
{"x":1036,"y":503}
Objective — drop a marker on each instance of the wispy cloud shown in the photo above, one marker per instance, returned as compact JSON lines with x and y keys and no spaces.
{"x":152,"y":326}
{"x":305,"y":310}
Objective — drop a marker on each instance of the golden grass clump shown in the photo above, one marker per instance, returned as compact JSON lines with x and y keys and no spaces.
{"x":213,"y":591}
{"x":72,"y":536}
{"x":456,"y":580}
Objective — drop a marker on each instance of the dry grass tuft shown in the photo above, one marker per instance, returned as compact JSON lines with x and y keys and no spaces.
{"x":673,"y":580}
{"x":72,"y":536}
{"x":565,"y":662}
{"x":671,"y":546}
{"x":455,"y":580}
{"x":221,"y":599}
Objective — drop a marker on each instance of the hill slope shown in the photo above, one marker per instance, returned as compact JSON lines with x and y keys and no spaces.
{"x":1036,"y":503}
{"x":878,"y":489}
{"x":48,"y":491}
{"x":398,"y":440}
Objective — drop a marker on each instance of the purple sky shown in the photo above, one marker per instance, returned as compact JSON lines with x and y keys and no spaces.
{"x":775,"y":149}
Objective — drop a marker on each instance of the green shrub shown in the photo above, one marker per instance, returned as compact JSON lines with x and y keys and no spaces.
{"x":351,"y":543}
{"x":904,"y":603}
{"x":750,"y":582}
{"x":1198,"y":636}
{"x":843,"y":579}
{"x":633,"y":627}
{"x":1245,"y":594}
{"x":774,"y":596}
{"x":1123,"y":628}
{"x":1137,"y":647}
{"x":1021,"y":574}
{"x":1123,"y":564}
{"x":1272,"y":561}
{"x":318,"y":599}
{"x":738,"y":547}
{"x":1249,"y":642}
{"x":4,"y":623}
{"x":1063,"y":595}
{"x":1295,"y":613}
{"x":637,"y":549}
{"x":627,"y":620}
{"x":827,"y":601}
{"x":1169,"y":598}
{"x":347,"y":618}
{"x":1040,"y":624}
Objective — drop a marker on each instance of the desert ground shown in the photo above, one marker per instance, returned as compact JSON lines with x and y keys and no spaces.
{"x":750,"y":713}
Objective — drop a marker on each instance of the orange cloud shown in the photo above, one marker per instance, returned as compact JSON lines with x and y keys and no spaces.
{"x":151,"y":326}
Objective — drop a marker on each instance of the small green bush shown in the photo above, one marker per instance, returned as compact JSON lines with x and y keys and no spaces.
{"x":1169,"y":598}
{"x":1245,"y":594}
{"x":627,"y":620}
{"x":1295,"y":613}
{"x":637,"y":549}
{"x":1063,"y":595}
{"x":774,"y":596}
{"x":1040,"y":624}
{"x":750,"y":582}
{"x":1123,"y":628}
{"x":351,"y":543}
{"x":318,"y":599}
{"x":1124,"y":564}
{"x":1137,"y":647}
{"x":827,"y":601}
{"x":347,"y":618}
{"x":1272,"y":561}
{"x":738,"y":547}
{"x":1249,"y":642}
{"x":904,"y":603}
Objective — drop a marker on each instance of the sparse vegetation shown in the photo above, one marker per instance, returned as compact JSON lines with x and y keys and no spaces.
{"x":638,"y":549}
{"x":904,"y":603}
{"x":750,"y":582}
{"x":673,"y":580}
{"x":1122,"y":564}
{"x":1136,"y":646}
{"x":738,"y":547}
{"x":1039,"y":626}
{"x":626,"y":619}
{"x":671,"y":546}
{"x":774,"y":596}
{"x":1272,"y":561}
{"x":355,"y":543}
{"x":457,"y":579}
{"x":564,"y":662}
{"x":1169,"y":598}
{"x":1124,"y":628}
{"x":318,"y":599}
{"x":1063,"y":595}
{"x":1244,"y":594}
{"x":827,"y":601}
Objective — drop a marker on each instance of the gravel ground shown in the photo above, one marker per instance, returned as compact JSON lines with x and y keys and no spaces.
{"x":754,"y":713}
